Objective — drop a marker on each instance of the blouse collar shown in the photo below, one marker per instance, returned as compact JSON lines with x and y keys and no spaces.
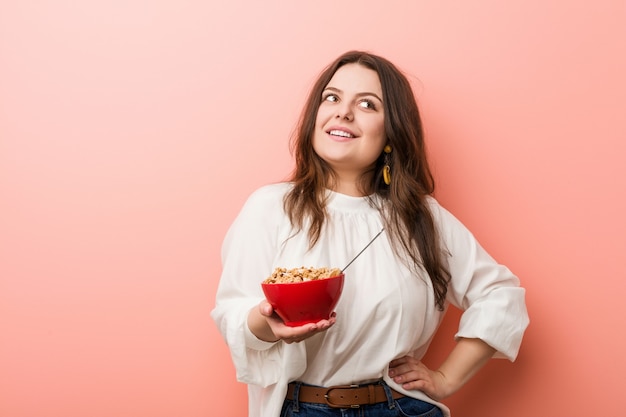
{"x":346,"y":202}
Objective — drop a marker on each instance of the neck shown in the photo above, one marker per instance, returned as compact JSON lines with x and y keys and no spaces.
{"x":348,"y":185}
{"x":347,"y":189}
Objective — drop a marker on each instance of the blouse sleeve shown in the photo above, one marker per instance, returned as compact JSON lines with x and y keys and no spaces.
{"x":247,"y":253}
{"x":490,"y":295}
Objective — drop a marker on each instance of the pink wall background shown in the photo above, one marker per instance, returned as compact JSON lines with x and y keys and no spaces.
{"x":132,"y":131}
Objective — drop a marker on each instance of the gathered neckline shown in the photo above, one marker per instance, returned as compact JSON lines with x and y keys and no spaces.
{"x":350,"y":203}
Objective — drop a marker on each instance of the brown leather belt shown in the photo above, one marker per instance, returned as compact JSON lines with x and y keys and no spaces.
{"x":344,"y":396}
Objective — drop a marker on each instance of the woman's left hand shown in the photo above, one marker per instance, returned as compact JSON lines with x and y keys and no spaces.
{"x":414,"y":375}
{"x":465,"y":359}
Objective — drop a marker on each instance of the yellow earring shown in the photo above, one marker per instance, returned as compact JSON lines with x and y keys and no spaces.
{"x":386,"y":168}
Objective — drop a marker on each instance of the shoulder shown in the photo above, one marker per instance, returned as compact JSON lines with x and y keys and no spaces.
{"x":436,"y":208}
{"x":269,"y":194}
{"x":262,"y":209}
{"x":267,"y":199}
{"x":451,"y":230}
{"x":446,"y":221}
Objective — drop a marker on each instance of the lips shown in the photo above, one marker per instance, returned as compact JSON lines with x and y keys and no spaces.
{"x":341,"y":133}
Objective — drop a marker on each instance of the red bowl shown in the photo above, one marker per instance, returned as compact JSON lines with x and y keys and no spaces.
{"x":299,"y":303}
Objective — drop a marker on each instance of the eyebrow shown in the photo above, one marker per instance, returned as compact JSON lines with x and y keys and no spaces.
{"x":364,"y":93}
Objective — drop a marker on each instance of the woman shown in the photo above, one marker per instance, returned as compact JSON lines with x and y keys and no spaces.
{"x":361,"y":167}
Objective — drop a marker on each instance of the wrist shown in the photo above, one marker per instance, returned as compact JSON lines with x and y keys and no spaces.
{"x":259,"y":327}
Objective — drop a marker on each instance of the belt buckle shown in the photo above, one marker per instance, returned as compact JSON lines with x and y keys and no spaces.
{"x":332,"y":405}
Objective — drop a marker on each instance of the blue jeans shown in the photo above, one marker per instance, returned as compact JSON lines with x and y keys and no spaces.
{"x":402,"y":407}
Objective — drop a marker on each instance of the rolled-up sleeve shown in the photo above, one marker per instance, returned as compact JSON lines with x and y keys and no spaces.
{"x":490,"y":295}
{"x":247,"y":254}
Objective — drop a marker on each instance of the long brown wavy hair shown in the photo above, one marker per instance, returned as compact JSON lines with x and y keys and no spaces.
{"x":404,"y":208}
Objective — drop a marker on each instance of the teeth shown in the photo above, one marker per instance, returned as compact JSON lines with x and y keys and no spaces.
{"x":340,"y":133}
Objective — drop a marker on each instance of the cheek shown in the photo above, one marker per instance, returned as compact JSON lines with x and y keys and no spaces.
{"x":377,"y":131}
{"x":316,"y":138}
{"x":377,"y":141}
{"x":323,"y":114}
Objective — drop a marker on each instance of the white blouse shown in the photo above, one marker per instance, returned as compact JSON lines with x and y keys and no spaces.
{"x":385,"y":311}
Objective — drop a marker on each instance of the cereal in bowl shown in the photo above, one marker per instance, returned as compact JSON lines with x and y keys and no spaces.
{"x":284,"y":275}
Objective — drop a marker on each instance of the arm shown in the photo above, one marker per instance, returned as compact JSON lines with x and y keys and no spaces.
{"x":465,"y":359}
{"x":248,"y":249}
{"x":493,"y":321}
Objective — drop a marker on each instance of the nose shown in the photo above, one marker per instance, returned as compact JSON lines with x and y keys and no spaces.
{"x":345,"y":113}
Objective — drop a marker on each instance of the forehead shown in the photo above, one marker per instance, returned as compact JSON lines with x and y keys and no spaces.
{"x":355,"y":78}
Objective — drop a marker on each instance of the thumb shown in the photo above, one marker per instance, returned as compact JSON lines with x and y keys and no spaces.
{"x":266,"y":309}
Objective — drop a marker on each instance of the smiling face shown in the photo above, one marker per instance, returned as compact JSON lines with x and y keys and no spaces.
{"x":349,"y":129}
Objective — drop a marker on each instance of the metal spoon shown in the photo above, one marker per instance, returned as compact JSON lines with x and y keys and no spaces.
{"x":366,"y":246}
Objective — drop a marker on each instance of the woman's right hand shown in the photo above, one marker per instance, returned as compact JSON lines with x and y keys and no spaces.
{"x":267,"y":326}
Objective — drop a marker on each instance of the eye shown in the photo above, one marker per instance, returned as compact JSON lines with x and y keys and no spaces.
{"x":330,"y":97}
{"x":367,"y":104}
